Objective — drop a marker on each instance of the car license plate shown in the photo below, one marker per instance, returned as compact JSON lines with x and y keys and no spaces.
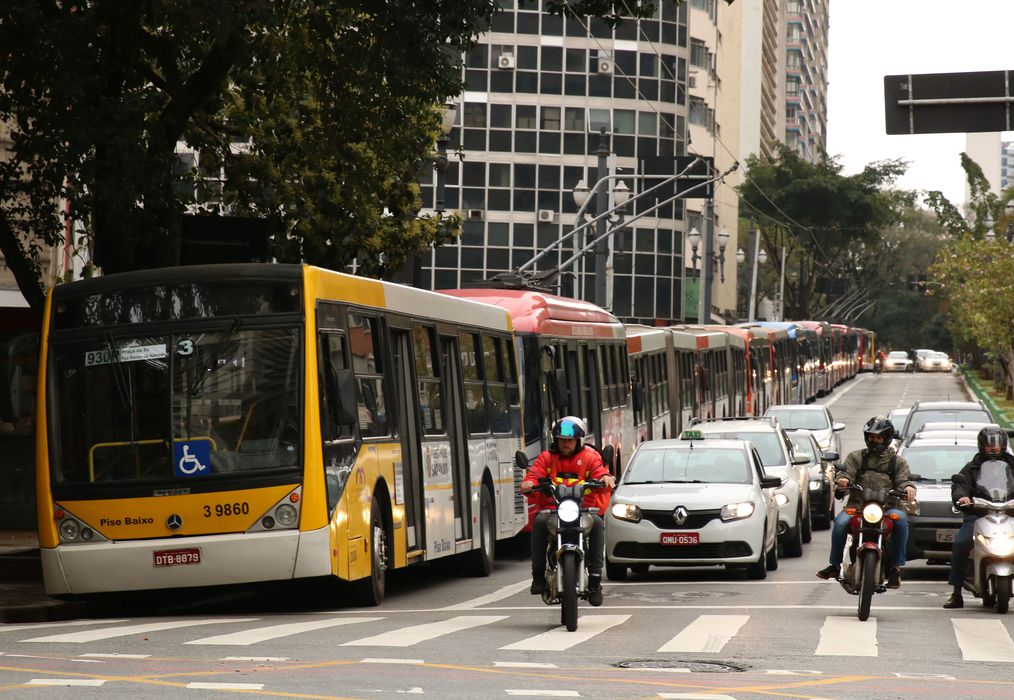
{"x":681,"y":538}
{"x":176,"y":557}
{"x":946,"y":535}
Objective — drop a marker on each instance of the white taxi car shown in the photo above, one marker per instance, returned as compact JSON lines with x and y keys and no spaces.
{"x":693,"y":502}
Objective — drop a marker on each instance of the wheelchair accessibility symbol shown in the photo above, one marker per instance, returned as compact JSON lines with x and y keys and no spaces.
{"x":192,"y":458}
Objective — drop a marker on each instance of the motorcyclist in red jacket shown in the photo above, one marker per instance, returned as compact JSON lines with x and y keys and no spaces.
{"x":569,"y":458}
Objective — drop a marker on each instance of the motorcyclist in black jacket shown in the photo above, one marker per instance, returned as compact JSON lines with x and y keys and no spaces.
{"x":964,"y":486}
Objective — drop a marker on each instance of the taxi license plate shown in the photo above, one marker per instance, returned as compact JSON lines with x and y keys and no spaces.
{"x":946,"y":536}
{"x":678,"y":538}
{"x":176,"y":557}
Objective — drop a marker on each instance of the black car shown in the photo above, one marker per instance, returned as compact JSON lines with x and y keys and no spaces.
{"x":821,"y":484}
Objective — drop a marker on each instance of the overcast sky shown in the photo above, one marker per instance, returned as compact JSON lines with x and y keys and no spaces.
{"x":873,"y":38}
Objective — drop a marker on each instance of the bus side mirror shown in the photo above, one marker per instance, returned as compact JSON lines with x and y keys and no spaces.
{"x":345,"y":383}
{"x":557,"y":381}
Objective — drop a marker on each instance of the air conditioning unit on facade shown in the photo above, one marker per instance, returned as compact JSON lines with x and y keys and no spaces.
{"x":475,"y":213}
{"x":605,"y":66}
{"x":692,"y":80}
{"x":546,"y":216}
{"x":506,"y":61}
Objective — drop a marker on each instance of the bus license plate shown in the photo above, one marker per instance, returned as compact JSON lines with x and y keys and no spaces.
{"x":681,"y":538}
{"x":176,"y":557}
{"x":946,"y":536}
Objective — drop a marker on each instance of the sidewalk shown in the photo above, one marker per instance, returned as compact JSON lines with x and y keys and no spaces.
{"x":22,"y":598}
{"x":1002,"y":418}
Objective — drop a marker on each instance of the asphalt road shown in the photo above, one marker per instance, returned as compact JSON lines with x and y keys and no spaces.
{"x":670,"y":633}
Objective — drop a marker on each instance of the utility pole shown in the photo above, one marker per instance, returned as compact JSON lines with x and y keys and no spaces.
{"x":753,"y":280}
{"x":707,"y":263}
{"x":601,"y":206}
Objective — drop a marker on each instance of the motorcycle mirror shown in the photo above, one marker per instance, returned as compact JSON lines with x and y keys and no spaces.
{"x":830,"y":456}
{"x":521,"y":460}
{"x":607,"y":453}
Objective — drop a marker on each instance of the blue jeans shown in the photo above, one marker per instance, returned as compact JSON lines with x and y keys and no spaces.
{"x":899,"y":537}
{"x":960,"y":551}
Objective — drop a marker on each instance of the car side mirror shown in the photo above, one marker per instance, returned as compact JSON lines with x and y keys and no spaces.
{"x":798,"y":458}
{"x":770,"y":482}
{"x":838,"y":426}
{"x":915,"y":477}
{"x":830,"y":456}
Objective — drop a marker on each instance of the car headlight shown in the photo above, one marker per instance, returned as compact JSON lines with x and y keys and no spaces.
{"x":569,"y":511}
{"x":737,"y":511}
{"x":626,"y":511}
{"x":781,"y":499}
{"x":814,"y":484}
{"x":873,"y":513}
{"x":1000,"y":546}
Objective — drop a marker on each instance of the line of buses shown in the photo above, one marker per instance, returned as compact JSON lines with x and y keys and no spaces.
{"x":228,"y":424}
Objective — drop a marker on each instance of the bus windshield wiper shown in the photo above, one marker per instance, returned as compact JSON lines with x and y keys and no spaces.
{"x":120,"y":376}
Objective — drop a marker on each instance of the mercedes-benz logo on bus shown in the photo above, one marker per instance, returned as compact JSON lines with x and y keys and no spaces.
{"x":174,"y":522}
{"x":680,"y":515}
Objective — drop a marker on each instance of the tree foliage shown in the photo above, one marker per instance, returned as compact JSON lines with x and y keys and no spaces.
{"x":828,"y":222}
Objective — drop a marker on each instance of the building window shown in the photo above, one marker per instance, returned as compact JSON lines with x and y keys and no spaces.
{"x":573,"y":119}
{"x":551,"y":118}
{"x":699,"y":54}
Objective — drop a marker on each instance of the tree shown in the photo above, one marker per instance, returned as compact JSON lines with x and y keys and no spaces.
{"x":826,"y":221}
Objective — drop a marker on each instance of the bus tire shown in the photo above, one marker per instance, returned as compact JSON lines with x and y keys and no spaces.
{"x":480,"y":561}
{"x":373,"y":588}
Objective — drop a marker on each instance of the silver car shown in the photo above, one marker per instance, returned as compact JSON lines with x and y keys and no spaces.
{"x":813,"y":417}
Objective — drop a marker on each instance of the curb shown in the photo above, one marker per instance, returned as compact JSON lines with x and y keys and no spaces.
{"x":973,"y":384}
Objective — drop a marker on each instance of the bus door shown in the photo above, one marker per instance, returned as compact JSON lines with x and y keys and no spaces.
{"x":457,"y":434}
{"x":591,"y":380}
{"x":409,"y":492}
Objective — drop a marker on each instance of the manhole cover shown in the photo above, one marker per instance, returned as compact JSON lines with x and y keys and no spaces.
{"x":692,"y":665}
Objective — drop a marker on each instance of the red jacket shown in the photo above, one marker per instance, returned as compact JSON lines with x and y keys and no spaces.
{"x":586,"y":463}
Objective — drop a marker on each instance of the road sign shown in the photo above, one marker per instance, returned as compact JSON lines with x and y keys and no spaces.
{"x":938,"y":103}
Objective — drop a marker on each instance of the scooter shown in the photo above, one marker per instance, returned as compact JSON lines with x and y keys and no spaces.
{"x":870,"y":528}
{"x":569,"y":526}
{"x":991,"y":569}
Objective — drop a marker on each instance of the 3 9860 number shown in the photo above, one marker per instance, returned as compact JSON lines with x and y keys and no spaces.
{"x":224,"y":510}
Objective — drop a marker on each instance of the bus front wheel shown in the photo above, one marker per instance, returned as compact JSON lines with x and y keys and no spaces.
{"x":481,"y":560}
{"x":373,"y":587}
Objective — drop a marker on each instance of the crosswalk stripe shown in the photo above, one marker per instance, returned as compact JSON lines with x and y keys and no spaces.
{"x":560,"y":639}
{"x":708,"y":633}
{"x":41,"y":625}
{"x":409,"y":636}
{"x":983,"y":640}
{"x":263,"y":634}
{"x":126,"y":630}
{"x":847,"y":636}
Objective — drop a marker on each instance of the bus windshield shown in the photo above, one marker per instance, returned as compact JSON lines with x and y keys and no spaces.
{"x":174,"y":407}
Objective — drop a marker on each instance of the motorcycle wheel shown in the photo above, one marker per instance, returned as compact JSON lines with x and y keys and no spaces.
{"x":868,"y":583}
{"x":1002,"y":594}
{"x":568,"y":594}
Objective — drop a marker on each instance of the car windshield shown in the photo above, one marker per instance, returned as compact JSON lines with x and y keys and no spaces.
{"x":688,"y":465}
{"x":938,"y":462}
{"x":815,"y":419}
{"x":804,"y":445}
{"x":972,"y":415}
{"x":898,"y":355}
{"x":768,"y":445}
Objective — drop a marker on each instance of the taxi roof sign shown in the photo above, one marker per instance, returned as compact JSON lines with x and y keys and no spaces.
{"x":692,"y":435}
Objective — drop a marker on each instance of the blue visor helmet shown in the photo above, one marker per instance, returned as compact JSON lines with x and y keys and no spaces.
{"x":569,"y":427}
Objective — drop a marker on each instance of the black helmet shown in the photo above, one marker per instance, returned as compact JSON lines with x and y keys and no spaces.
{"x":570,"y":427}
{"x":878,"y":425}
{"x":992,"y":441}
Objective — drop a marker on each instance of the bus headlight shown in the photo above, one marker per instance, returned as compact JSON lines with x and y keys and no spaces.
{"x":626,"y":511}
{"x":69,"y":529}
{"x":873,"y":513}
{"x":569,"y":511}
{"x":285,"y":515}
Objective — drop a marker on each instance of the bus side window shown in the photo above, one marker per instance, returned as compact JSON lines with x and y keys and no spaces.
{"x":426,"y":370}
{"x":368,"y":365}
{"x":337,"y":411}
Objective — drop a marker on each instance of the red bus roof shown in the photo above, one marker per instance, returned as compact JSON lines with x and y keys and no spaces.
{"x":547,"y":314}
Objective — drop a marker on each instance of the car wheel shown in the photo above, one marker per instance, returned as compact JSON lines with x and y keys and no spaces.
{"x":771,"y":560}
{"x":807,"y":526}
{"x":793,"y":543}
{"x":758,"y":570}
{"x":615,"y":572}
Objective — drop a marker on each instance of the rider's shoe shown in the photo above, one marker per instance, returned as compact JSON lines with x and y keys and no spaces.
{"x":595,"y":589}
{"x":538,"y":582}
{"x":829,"y":571}
{"x":894,"y":578}
{"x":955,"y":601}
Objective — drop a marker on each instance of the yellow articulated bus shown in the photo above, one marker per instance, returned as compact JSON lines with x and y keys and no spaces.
{"x":226,"y":424}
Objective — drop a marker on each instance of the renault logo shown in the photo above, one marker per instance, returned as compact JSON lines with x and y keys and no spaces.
{"x":174,"y":522}
{"x":680,"y":515}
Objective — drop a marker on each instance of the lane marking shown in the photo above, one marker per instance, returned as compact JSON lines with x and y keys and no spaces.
{"x":126,"y":630}
{"x":560,"y":639}
{"x":498,"y":594}
{"x":847,"y":636}
{"x":409,"y":636}
{"x":96,"y":655}
{"x":91,"y":682}
{"x":254,"y":658}
{"x":412,"y":662}
{"x":544,"y":693}
{"x":523,"y":664}
{"x":708,"y":634}
{"x":75,"y":623}
{"x":983,"y":640}
{"x":226,"y":686}
{"x":695,"y":696}
{"x":263,"y":634}
{"x":846,"y":390}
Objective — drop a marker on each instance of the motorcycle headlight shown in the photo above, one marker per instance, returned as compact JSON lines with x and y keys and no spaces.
{"x":569,"y":511}
{"x":625,"y":511}
{"x":814,"y":485}
{"x":781,"y":499}
{"x":1000,"y":546}
{"x":737,"y":511}
{"x":873,"y":513}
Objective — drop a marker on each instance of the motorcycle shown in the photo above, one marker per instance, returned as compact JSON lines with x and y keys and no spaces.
{"x":870,"y":529}
{"x":568,"y":526}
{"x":991,"y":567}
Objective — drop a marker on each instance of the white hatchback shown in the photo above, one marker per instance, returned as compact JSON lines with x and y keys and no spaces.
{"x":693,"y":502}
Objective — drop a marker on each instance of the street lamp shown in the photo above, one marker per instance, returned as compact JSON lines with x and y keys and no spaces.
{"x":990,"y":234}
{"x":448,"y":113}
{"x":760,"y":256}
{"x":717,"y":259}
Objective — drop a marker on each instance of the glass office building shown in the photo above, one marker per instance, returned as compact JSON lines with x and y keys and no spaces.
{"x":539,"y":88}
